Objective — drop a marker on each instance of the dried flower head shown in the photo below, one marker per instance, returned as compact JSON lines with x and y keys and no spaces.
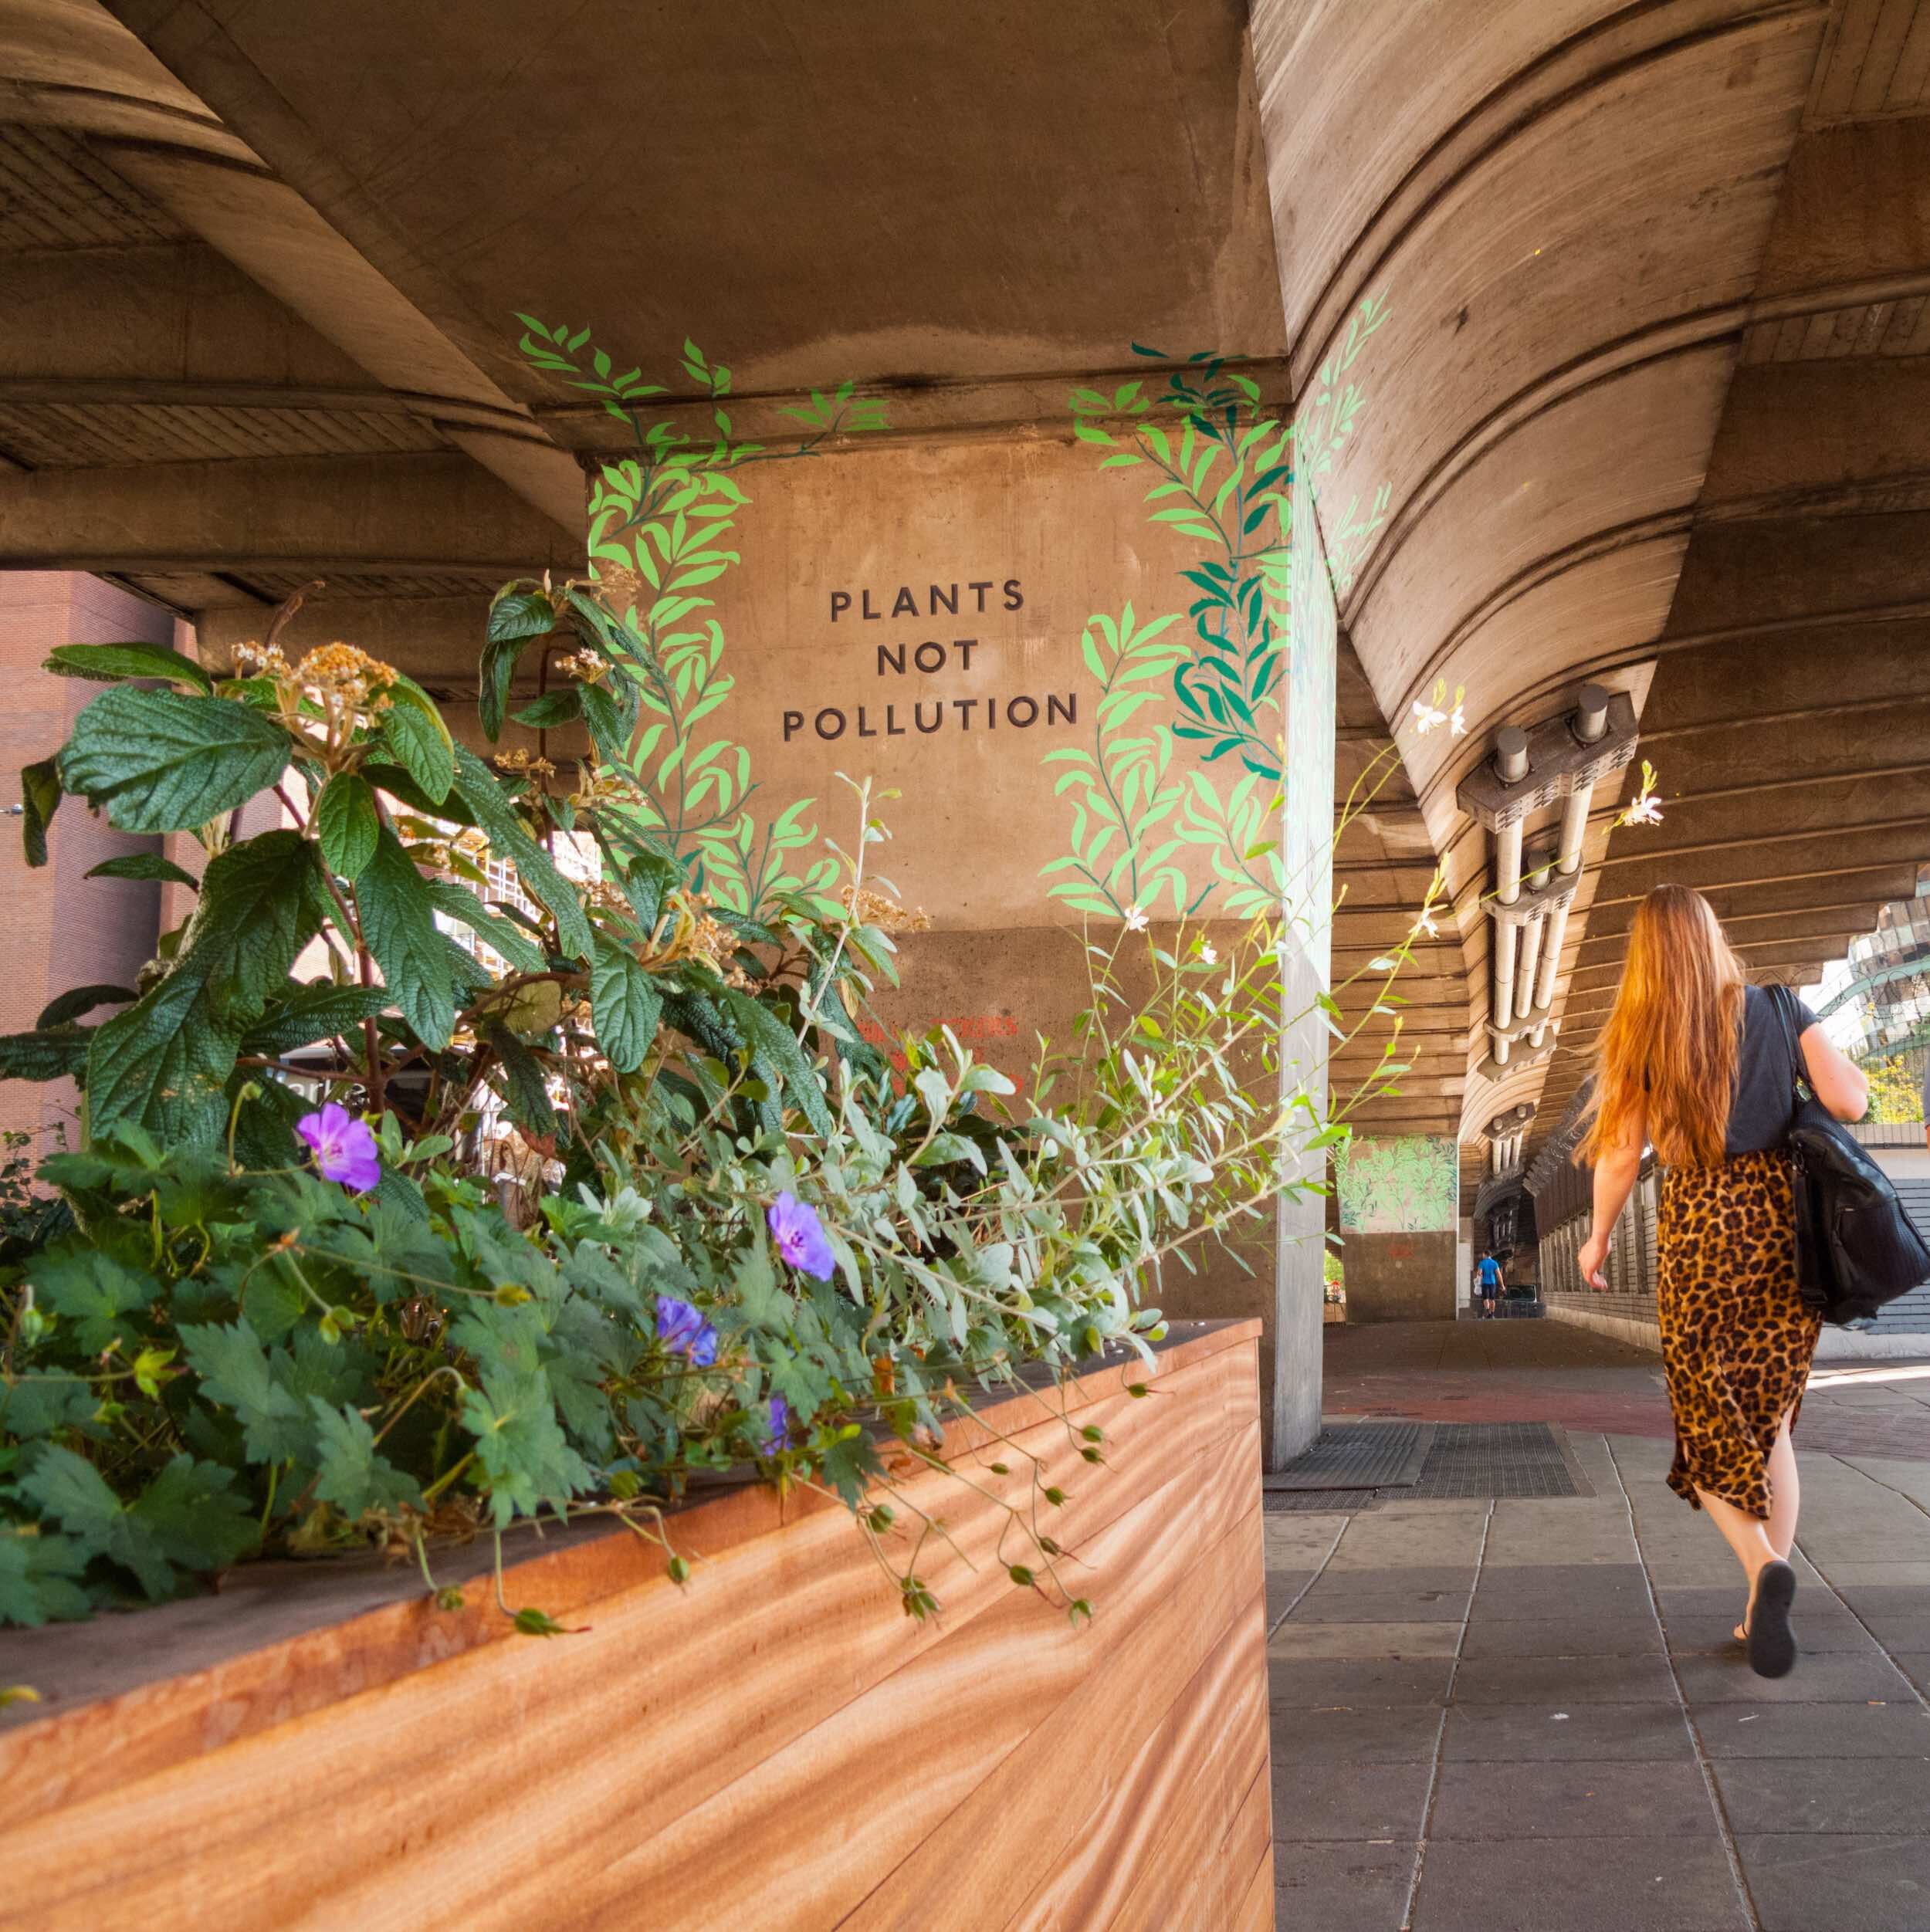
{"x":587,"y":666}
{"x":870,"y":908}
{"x":523,"y":763}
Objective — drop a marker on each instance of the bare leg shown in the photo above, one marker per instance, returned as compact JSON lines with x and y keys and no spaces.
{"x":1748,"y":1536}
{"x":1786,"y":1493}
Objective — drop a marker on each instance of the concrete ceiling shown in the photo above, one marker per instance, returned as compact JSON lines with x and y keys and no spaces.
{"x":1649,"y":404}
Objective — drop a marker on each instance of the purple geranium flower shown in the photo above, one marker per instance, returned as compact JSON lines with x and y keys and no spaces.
{"x":684,"y":1332}
{"x":800,"y":1237}
{"x":344,"y":1147}
{"x":777,"y":1436}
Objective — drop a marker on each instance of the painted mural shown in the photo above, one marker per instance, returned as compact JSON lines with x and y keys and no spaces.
{"x":1409,"y":1186}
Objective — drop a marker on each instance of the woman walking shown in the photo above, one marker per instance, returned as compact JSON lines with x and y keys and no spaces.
{"x":1696,"y":1064}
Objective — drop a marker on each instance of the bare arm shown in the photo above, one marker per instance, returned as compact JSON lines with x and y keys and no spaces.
{"x":1838,"y":1082}
{"x":1615,"y":1176}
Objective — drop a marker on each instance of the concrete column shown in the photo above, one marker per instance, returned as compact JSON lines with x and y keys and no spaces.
{"x":66,"y":930}
{"x":1306,"y":835}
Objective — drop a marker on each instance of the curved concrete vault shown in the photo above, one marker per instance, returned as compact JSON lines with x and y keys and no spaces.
{"x":1650,"y":399}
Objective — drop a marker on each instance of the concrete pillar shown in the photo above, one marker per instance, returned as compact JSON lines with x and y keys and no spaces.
{"x":1306,"y":835}
{"x":64,"y":929}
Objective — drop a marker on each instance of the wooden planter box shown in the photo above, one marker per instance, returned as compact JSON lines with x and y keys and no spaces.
{"x":775,"y":1745}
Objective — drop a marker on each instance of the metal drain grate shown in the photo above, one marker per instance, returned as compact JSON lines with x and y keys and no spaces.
{"x":1360,"y":1455}
{"x":1441,"y":1462}
{"x":1499,"y":1459}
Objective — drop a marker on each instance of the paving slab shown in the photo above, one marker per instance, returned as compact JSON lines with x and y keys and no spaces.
{"x":1307,"y":1683}
{"x":1433,"y":1595}
{"x":1356,"y":1734}
{"x":1563,"y":1589}
{"x":1363,"y":1640}
{"x":1805,"y":1882}
{"x":1817,"y":1632}
{"x":1352,"y":1801}
{"x":1898,"y":1730}
{"x":1559,"y":1682}
{"x":1621,"y":1636}
{"x":1663,"y":1883}
{"x":1834,"y":1676}
{"x":1341,"y":1886}
{"x":1889,"y":1795}
{"x":1583,"y":1798}
{"x":1626,"y":1732}
{"x":1534,"y":1532}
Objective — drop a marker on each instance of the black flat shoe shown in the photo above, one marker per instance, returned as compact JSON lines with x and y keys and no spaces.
{"x":1771,"y":1640}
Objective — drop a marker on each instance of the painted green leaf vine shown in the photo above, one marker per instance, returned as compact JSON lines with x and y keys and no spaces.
{"x":1153,"y":798}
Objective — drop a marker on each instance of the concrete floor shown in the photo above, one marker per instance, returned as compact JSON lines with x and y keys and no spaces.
{"x":1499,"y":1714}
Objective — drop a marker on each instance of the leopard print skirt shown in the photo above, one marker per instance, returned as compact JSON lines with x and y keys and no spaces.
{"x":1736,"y":1338}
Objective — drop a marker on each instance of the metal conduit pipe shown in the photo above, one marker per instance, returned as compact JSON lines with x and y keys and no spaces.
{"x":1591,"y":726}
{"x":1531,"y":940}
{"x":1551,"y":963}
{"x":1511,"y":762}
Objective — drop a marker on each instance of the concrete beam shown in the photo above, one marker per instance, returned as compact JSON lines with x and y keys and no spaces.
{"x":404,"y":514}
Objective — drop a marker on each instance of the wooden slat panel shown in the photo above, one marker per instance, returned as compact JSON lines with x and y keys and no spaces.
{"x":859,"y":1794}
{"x":1003,"y":1841}
{"x":293,"y":1667}
{"x":1195,"y":1878}
{"x":528,"y":1762}
{"x":1258,"y":1908}
{"x":1199,"y":1762}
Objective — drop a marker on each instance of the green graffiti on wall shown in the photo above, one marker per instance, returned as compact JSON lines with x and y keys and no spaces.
{"x":1172,"y":802}
{"x":1410,"y":1186}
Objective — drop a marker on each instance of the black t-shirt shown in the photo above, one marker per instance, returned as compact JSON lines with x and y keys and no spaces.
{"x":1759,"y":1114}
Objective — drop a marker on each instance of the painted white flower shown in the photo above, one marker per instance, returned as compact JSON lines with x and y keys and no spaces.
{"x":1208,"y":952}
{"x":1438,"y":709}
{"x":1136,"y":920}
{"x":1646,"y":807}
{"x":1425,"y":924}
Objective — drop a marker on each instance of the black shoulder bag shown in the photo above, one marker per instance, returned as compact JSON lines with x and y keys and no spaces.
{"x":1856,"y":1248}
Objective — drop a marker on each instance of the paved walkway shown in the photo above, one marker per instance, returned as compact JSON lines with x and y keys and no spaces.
{"x":1490,"y":1715}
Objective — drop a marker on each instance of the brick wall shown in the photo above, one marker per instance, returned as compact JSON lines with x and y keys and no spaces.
{"x":63,"y":930}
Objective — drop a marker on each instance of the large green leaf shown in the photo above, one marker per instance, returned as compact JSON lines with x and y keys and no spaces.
{"x":38,"y":1579}
{"x":775,"y":1046}
{"x":163,"y":1062}
{"x":420,"y":739}
{"x":311,"y":1013}
{"x":72,"y":1004}
{"x":610,"y":717}
{"x":58,"y":1052}
{"x":354,"y":1475}
{"x":40,"y":800}
{"x":163,"y":764}
{"x":624,"y":1002}
{"x":106,"y":663}
{"x":142,"y":865}
{"x":476,"y":786}
{"x":553,"y":708}
{"x":455,"y":900}
{"x":189,"y":1516}
{"x":346,"y":825}
{"x":520,"y":615}
{"x":398,"y":923}
{"x":524,"y":1088}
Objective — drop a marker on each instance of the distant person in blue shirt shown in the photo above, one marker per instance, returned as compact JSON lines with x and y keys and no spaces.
{"x":1489,"y":1272}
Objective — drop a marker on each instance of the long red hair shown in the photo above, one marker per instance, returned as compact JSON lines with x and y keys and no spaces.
{"x":1667,"y":1054}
